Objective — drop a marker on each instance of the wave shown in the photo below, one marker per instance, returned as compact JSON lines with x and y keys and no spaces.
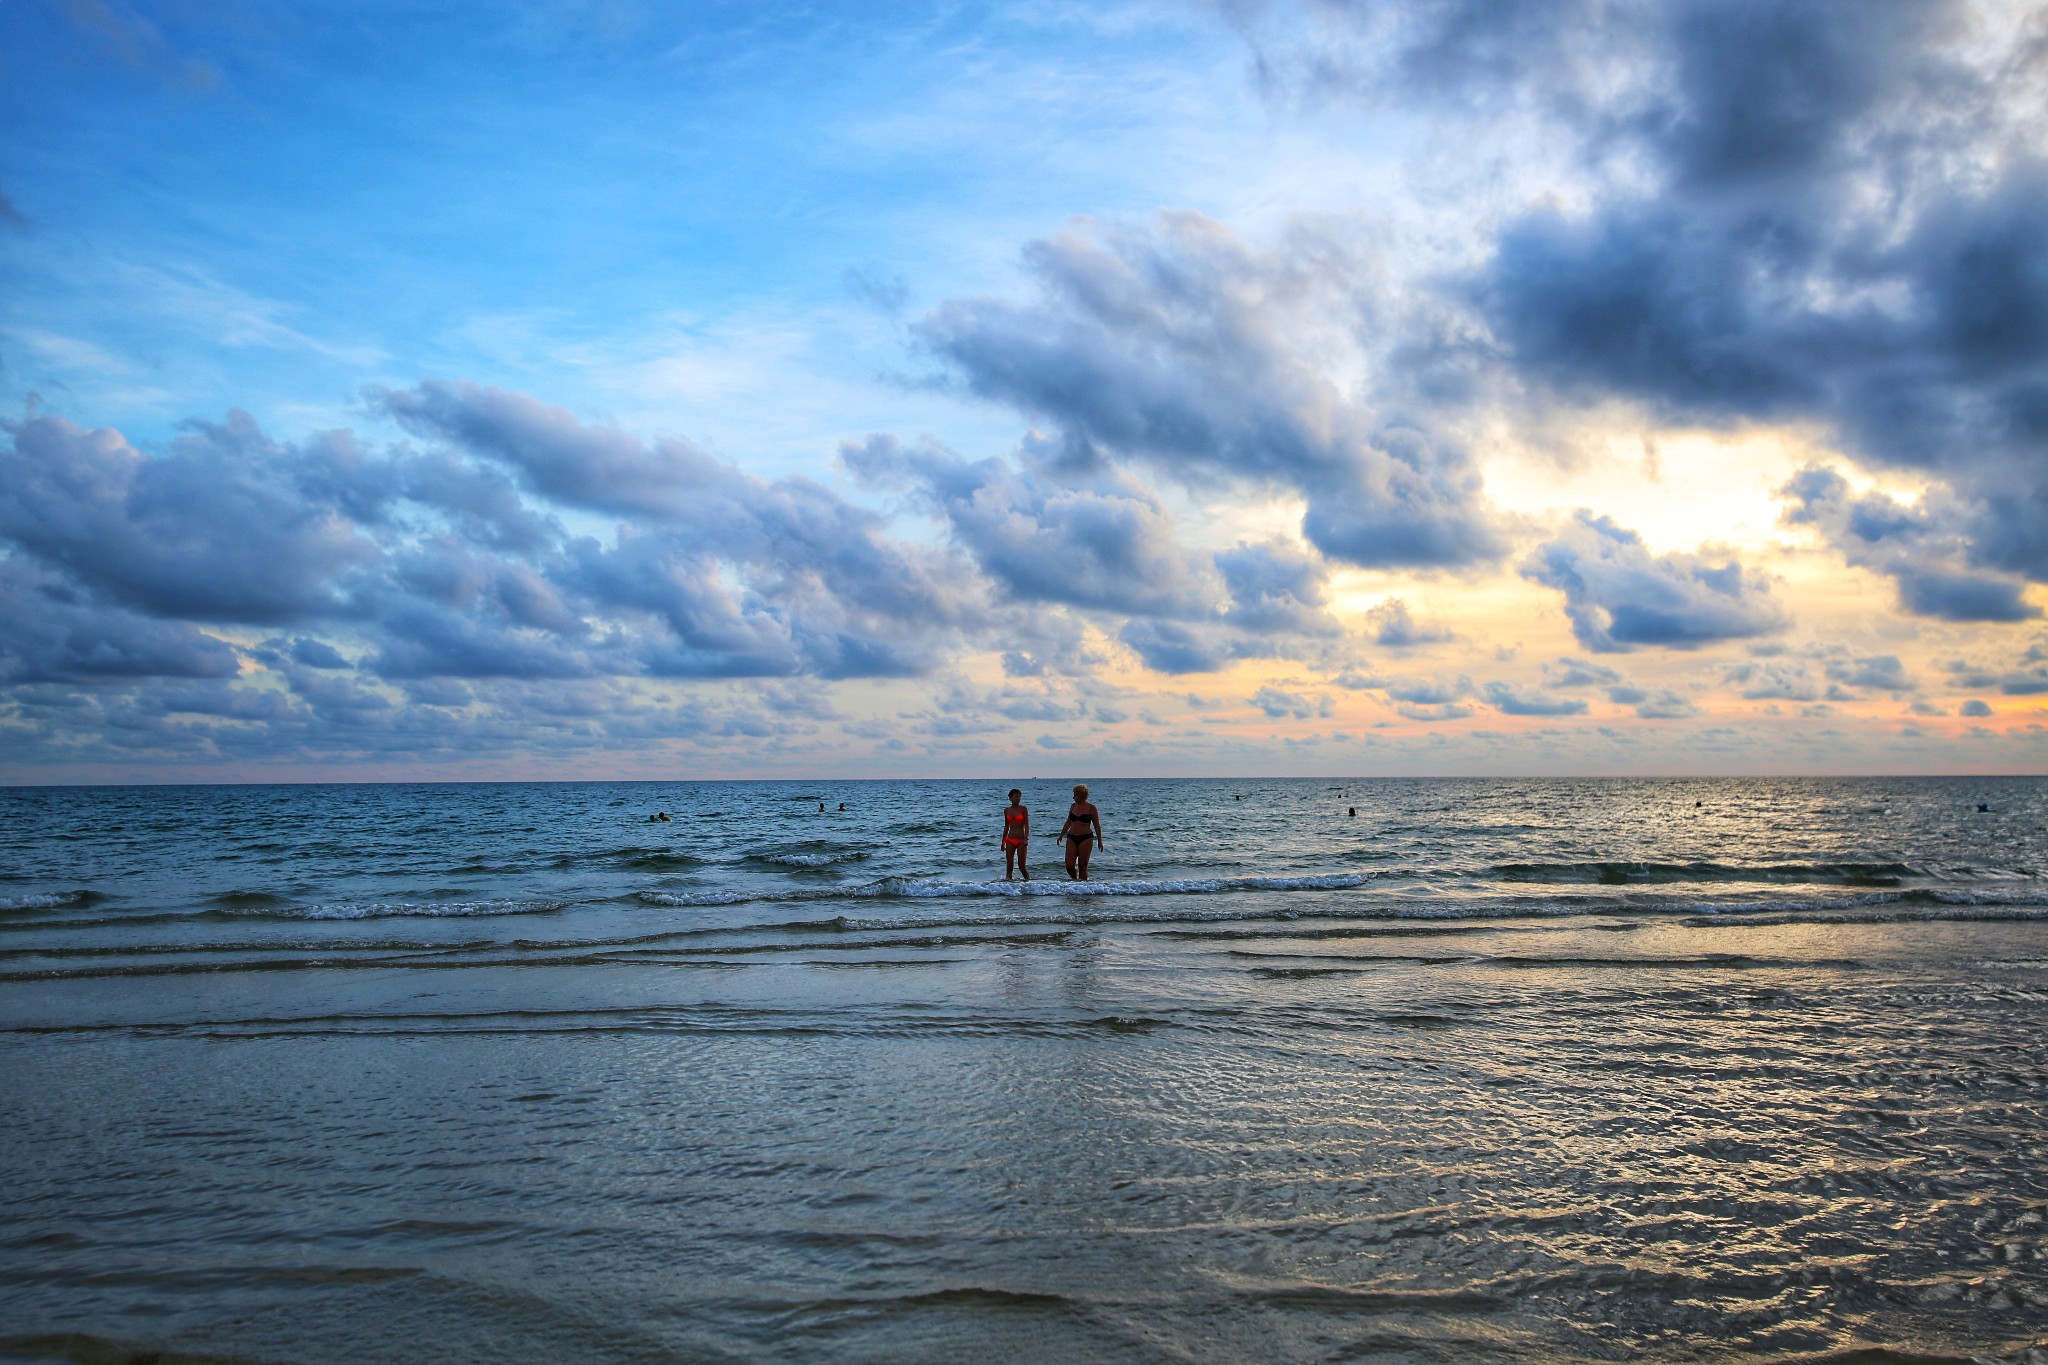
{"x":349,"y":910}
{"x":916,"y":888}
{"x":50,"y":900}
{"x":1621,"y":873}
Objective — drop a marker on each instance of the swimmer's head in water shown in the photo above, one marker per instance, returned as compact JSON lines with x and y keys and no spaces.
{"x":1081,"y":793}
{"x":1016,"y":793}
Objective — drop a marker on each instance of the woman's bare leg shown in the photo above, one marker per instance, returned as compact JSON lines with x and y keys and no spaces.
{"x":1087,"y":848}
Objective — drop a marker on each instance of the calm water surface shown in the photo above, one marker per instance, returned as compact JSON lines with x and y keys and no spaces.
{"x":1493,"y":1070}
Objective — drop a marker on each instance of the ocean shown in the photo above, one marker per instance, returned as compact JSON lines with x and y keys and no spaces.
{"x":1490,"y":1070}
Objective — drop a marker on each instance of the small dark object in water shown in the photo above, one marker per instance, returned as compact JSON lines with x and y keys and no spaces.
{"x":660,"y":815}
{"x":821,"y":808}
{"x":1354,"y":812}
{"x":1982,"y":807}
{"x":842,"y":805}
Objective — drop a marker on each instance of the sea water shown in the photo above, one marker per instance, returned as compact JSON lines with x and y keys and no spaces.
{"x":1516,"y":1070}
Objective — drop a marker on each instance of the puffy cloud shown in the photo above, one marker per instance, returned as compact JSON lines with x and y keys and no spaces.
{"x":1110,"y":546}
{"x":1975,"y":708}
{"x":1620,"y":597}
{"x":1089,"y":537}
{"x":1881,"y":672}
{"x":216,"y":529}
{"x":47,"y":634}
{"x":1393,"y":625}
{"x":1513,"y":701}
{"x":1183,"y":348}
{"x":1828,"y":213}
{"x":1766,"y":681}
{"x":1280,"y":704}
{"x":1927,"y":550}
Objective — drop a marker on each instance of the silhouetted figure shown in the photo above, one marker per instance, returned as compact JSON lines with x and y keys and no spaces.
{"x":842,"y":805}
{"x":1354,"y":812}
{"x":821,"y":808}
{"x":660,"y":815}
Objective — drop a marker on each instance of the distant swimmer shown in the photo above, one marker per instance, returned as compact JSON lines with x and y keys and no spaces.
{"x":1016,"y":836}
{"x":1083,"y":833}
{"x":1983,"y":807}
{"x":1354,"y":812}
{"x":660,"y":815}
{"x":842,"y":805}
{"x":821,"y":808}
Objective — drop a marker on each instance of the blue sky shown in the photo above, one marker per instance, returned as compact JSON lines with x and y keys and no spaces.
{"x":626,"y":390}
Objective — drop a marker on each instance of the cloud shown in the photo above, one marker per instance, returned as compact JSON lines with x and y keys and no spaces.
{"x":47,"y":634}
{"x":1773,"y":681}
{"x":1663,"y":704}
{"x":1882,"y":672}
{"x":1620,"y":597}
{"x":1926,"y":550}
{"x":1111,"y":546}
{"x":1512,"y":701}
{"x":219,"y":528}
{"x":1393,"y":626}
{"x":1279,"y":704}
{"x":1182,"y":348}
{"x":1821,"y":213}
{"x":1570,"y":673}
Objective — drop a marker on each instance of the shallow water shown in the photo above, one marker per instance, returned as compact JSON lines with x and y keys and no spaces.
{"x":1494,"y":1070}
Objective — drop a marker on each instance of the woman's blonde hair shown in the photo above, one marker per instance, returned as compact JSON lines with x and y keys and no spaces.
{"x":1081,"y":793}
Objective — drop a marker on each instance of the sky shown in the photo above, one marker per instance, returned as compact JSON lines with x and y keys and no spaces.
{"x":429,"y":390}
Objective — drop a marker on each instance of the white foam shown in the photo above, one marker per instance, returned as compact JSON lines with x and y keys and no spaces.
{"x":49,"y":901}
{"x":428,"y":909}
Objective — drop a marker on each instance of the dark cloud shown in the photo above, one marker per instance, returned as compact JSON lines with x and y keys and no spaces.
{"x":1975,"y":708}
{"x":1620,"y":597}
{"x":1928,"y":550}
{"x":48,"y":633}
{"x":1112,"y":546}
{"x":1182,"y":348}
{"x":216,"y":529}
{"x":1826,"y":212}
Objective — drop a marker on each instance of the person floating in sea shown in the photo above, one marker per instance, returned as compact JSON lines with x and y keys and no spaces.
{"x":660,"y":816}
{"x":1016,"y":836}
{"x":1083,"y":833}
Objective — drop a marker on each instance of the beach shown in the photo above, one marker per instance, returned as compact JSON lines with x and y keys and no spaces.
{"x":1494,"y":1070}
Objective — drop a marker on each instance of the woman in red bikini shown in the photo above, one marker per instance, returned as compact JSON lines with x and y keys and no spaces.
{"x":1016,"y":834}
{"x":1083,"y":833}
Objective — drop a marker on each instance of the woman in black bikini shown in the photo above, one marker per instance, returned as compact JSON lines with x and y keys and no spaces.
{"x":1083,"y":833}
